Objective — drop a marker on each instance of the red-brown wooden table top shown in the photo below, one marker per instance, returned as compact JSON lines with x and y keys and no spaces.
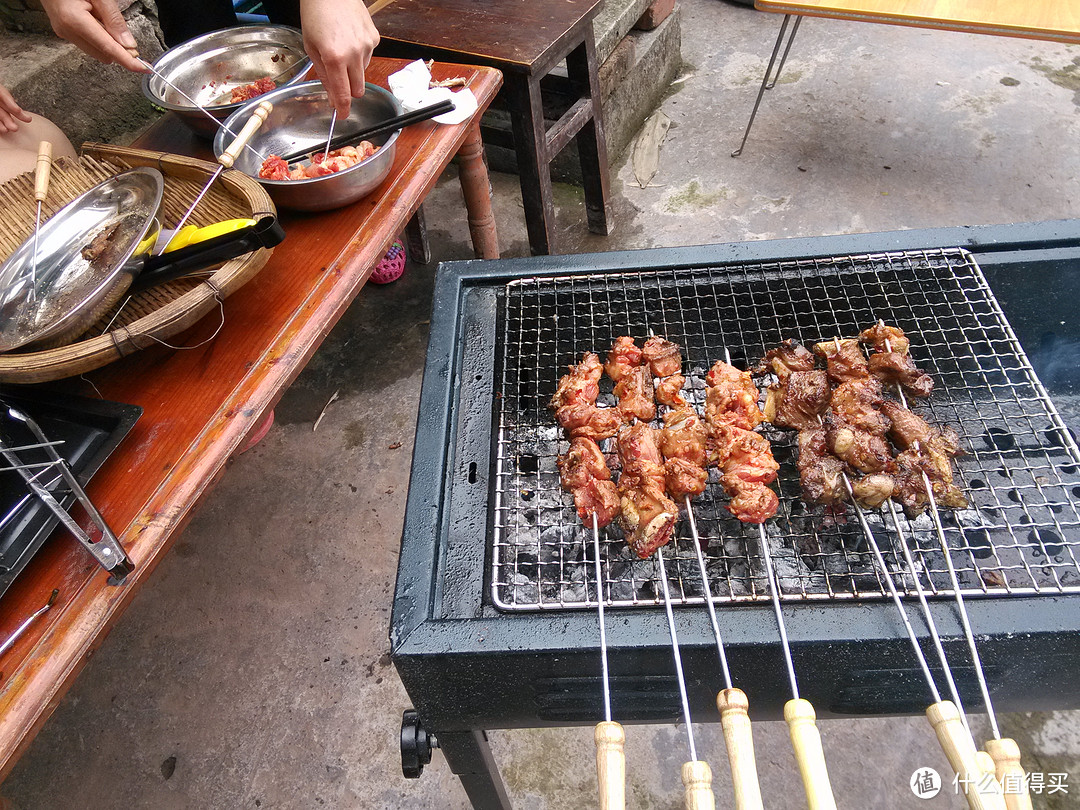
{"x":199,"y":405}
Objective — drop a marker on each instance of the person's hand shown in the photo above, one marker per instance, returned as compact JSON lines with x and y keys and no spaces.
{"x":11,"y":113}
{"x":97,"y":28}
{"x":339,"y":36}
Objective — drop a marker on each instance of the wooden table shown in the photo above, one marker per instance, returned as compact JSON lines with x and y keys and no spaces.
{"x":200,"y":404}
{"x":1055,"y":20}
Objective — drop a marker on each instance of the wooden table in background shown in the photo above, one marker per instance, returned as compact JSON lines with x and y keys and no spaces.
{"x":200,"y":404}
{"x":1057,"y":20}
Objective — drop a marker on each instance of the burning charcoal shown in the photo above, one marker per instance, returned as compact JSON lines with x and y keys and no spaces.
{"x":525,"y":592}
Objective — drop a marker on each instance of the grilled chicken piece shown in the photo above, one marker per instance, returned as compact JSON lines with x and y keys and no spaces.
{"x":844,"y":359}
{"x":684,"y":436}
{"x":871,"y":491}
{"x":799,"y":401}
{"x":624,"y":356}
{"x":820,"y":474}
{"x":634,"y":391}
{"x":858,"y":403}
{"x":663,"y":356}
{"x":574,"y":402}
{"x":669,"y":391}
{"x":746,"y":459}
{"x":584,"y":460}
{"x":895,"y":368}
{"x":648,"y":515}
{"x":682,"y":443}
{"x":584,"y":473}
{"x":885,"y":338}
{"x":789,"y":356}
{"x":731,"y":398}
{"x":866,"y":452}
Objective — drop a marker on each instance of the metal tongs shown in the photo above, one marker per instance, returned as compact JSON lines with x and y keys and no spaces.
{"x":106,"y":549}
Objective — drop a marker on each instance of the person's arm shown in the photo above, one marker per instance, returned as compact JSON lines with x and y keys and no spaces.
{"x":339,"y":36}
{"x":11,"y":113}
{"x":97,"y":28}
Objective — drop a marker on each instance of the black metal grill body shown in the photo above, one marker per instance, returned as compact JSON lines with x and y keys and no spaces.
{"x":472,"y":658}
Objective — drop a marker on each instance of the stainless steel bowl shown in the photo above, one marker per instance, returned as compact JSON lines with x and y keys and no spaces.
{"x":301,"y":120}
{"x":211,"y":65}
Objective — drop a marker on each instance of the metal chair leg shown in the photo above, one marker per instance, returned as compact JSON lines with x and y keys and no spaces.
{"x":765,"y":85}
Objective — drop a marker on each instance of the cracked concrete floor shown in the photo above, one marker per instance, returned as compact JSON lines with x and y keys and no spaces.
{"x":253,"y":671}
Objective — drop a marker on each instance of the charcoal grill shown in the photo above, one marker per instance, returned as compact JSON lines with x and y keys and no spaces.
{"x":494,"y":621}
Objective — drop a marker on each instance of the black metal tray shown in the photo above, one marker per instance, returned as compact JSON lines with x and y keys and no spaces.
{"x":90,"y":430}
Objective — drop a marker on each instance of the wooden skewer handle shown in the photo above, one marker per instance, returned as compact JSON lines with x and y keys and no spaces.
{"x":228,"y":157}
{"x":806,"y":740}
{"x":1010,"y":773}
{"x":697,"y":779}
{"x":42,"y":171}
{"x":990,"y":788}
{"x":733,"y":706}
{"x":610,"y":765}
{"x":959,"y":749}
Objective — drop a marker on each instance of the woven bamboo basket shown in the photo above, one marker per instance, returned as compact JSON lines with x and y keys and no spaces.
{"x":154,"y":315}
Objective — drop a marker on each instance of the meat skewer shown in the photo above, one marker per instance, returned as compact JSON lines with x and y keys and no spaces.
{"x":1003,"y":751}
{"x":583,"y":471}
{"x":732,"y":413}
{"x":683,"y":444}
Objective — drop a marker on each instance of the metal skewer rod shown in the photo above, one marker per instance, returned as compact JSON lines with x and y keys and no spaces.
{"x":1004,"y":752}
{"x":197,"y":105}
{"x":731,"y":702}
{"x":42,"y":172}
{"x":608,"y":735}
{"x":696,"y":774}
{"x":330,"y":137}
{"x":7,"y":645}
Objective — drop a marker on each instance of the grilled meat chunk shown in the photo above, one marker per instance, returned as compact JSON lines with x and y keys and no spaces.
{"x":683,"y":445}
{"x":669,"y":391}
{"x":894,"y":368}
{"x":858,"y":403}
{"x":820,"y":473}
{"x":634,"y":391}
{"x":584,"y":473}
{"x":908,"y":428}
{"x":662,"y":356}
{"x":844,"y":359}
{"x":885,"y":338}
{"x":747,"y":464}
{"x":731,"y":397}
{"x":911,"y":465}
{"x":574,"y":402}
{"x":789,"y":356}
{"x":864,"y":451}
{"x":648,"y":515}
{"x":871,"y":491}
{"x":624,"y":356}
{"x":799,"y":401}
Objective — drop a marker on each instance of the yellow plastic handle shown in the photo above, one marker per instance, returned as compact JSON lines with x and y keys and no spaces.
{"x":610,"y":765}
{"x":960,"y":750}
{"x":733,"y":705}
{"x":1010,"y":773}
{"x":805,"y":739}
{"x":697,"y":779}
{"x":190,"y":234}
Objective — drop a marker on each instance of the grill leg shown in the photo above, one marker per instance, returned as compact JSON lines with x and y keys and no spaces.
{"x":469,"y":757}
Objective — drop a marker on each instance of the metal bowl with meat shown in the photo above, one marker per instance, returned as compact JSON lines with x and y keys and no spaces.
{"x":300,"y":120}
{"x":225,"y":69}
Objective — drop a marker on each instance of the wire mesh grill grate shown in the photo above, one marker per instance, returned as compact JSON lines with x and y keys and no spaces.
{"x":1021,"y":471}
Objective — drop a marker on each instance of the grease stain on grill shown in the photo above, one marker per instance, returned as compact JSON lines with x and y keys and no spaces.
{"x":1048,"y":540}
{"x":979,"y":543}
{"x":999,"y":439}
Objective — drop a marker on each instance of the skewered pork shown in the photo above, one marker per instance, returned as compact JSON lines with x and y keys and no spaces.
{"x":683,"y":445}
{"x":925,"y":449}
{"x":669,"y":391}
{"x":574,"y":402}
{"x":634,"y":390}
{"x":647,"y":515}
{"x":883,"y":338}
{"x":624,"y":356}
{"x":799,"y":400}
{"x":895,"y":368}
{"x":820,"y":472}
{"x":789,"y":356}
{"x":731,"y":397}
{"x":844,"y":359}
{"x":663,"y":356}
{"x":584,"y":473}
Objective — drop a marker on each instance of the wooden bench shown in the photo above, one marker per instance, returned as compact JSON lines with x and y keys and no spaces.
{"x":527,"y":40}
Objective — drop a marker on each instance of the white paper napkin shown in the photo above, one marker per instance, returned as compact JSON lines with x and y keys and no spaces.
{"x":410,"y":85}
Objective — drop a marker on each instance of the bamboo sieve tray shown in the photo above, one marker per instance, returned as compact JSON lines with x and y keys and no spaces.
{"x":151,"y":316}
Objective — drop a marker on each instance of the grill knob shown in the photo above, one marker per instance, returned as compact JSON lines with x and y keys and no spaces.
{"x":416,"y":745}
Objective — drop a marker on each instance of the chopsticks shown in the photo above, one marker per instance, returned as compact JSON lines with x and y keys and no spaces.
{"x":389,"y":125}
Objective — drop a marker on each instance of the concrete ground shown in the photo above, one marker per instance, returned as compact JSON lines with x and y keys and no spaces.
{"x":253,"y":670}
